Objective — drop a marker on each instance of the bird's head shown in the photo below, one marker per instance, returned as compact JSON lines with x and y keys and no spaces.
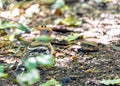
{"x":44,"y":30}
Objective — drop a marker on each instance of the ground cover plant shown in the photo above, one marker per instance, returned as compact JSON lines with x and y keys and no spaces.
{"x":59,"y":42}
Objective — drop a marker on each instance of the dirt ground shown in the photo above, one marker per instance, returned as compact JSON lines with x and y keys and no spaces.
{"x":87,"y":60}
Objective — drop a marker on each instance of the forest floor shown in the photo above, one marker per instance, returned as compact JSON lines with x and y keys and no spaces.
{"x":84,"y":61}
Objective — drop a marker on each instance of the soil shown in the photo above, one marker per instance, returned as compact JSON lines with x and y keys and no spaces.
{"x":85,"y":61}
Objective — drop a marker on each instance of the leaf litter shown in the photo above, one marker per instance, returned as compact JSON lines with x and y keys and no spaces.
{"x":76,"y":60}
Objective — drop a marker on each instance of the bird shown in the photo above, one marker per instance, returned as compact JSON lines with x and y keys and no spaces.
{"x":36,"y":48}
{"x":44,"y":30}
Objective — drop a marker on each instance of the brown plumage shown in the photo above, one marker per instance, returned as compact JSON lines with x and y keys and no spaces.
{"x":35,"y":48}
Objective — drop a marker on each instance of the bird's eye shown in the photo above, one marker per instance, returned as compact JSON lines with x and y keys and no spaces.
{"x":47,"y":31}
{"x":43,"y":26}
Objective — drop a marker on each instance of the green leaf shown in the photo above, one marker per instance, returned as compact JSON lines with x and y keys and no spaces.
{"x":71,"y":21}
{"x":73,"y":37}
{"x":18,"y":32}
{"x":45,"y":60}
{"x":22,"y":27}
{"x":45,"y":39}
{"x":11,"y":25}
{"x":86,"y":6}
{"x":29,"y":78}
{"x":106,"y":1}
{"x":97,"y":1}
{"x":7,"y":25}
{"x":51,"y":82}
{"x":111,"y":82}
{"x":116,"y":47}
{"x":3,"y":75}
{"x":58,"y":4}
{"x":47,"y":1}
{"x":2,"y":68}
{"x":30,"y":63}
